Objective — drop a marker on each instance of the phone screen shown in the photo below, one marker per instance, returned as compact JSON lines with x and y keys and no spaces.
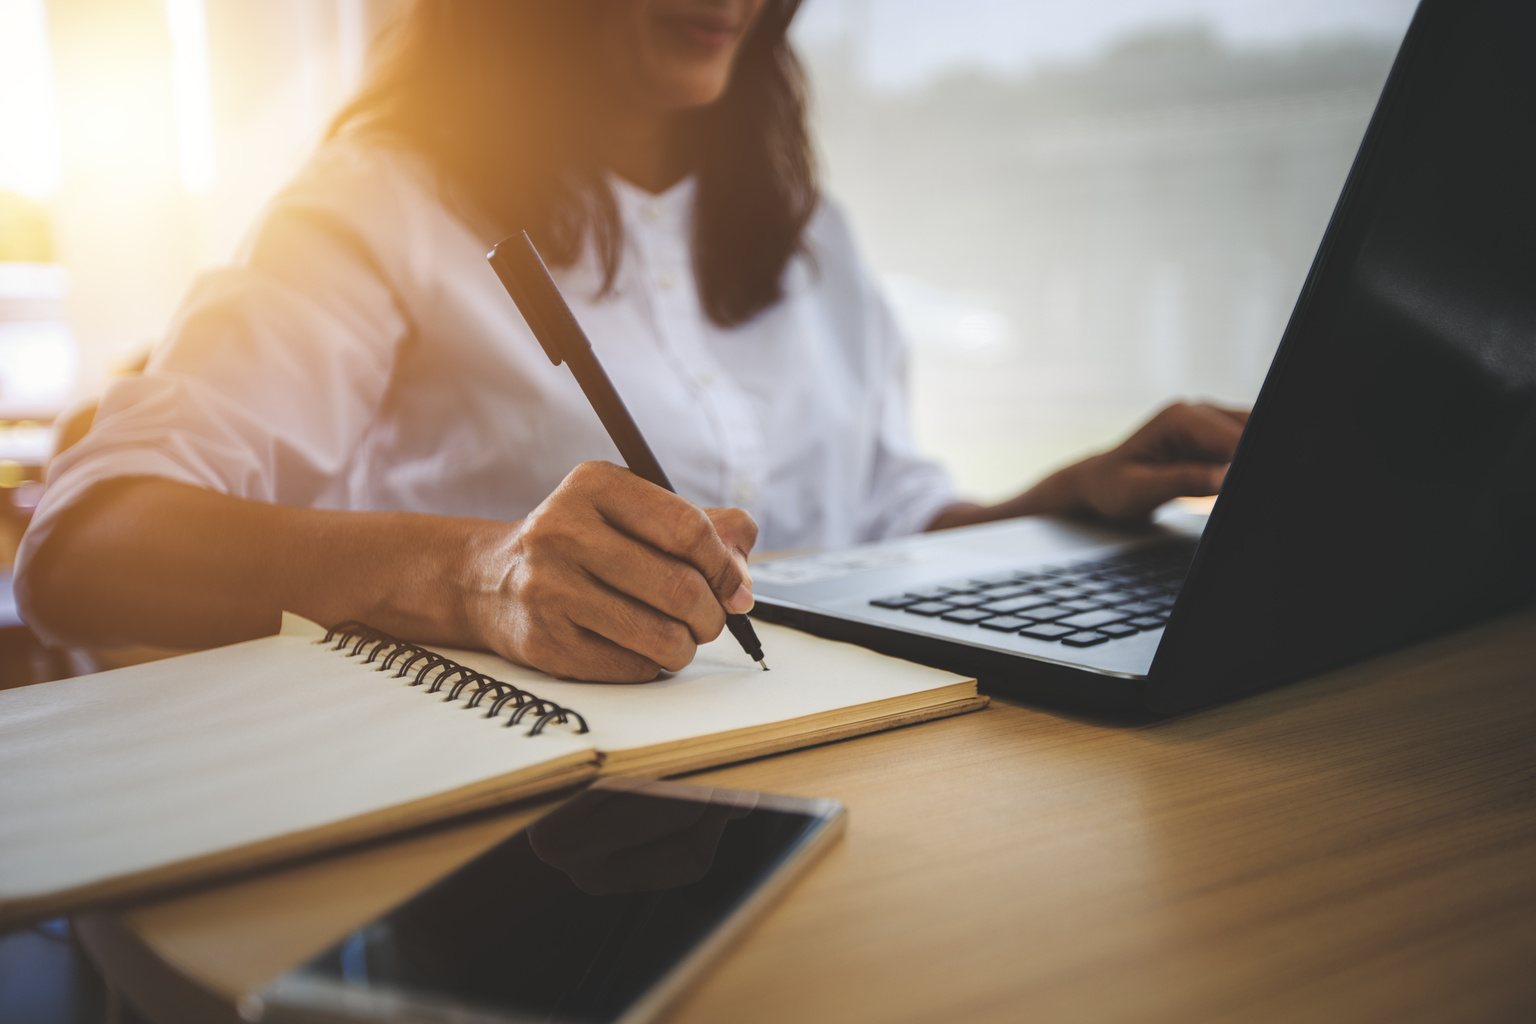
{"x":573,"y":919}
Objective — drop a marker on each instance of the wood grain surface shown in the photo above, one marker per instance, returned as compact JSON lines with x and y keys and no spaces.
{"x":1358,"y":847}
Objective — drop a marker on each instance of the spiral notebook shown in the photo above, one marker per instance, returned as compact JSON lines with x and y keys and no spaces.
{"x":117,"y":784}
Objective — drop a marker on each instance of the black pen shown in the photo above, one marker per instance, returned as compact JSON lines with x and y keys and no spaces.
{"x":527,"y":280}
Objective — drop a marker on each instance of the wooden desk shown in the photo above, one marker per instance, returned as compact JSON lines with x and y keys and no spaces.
{"x":1360,"y":847}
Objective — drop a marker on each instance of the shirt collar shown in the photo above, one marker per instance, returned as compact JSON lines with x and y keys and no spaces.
{"x":669,"y":210}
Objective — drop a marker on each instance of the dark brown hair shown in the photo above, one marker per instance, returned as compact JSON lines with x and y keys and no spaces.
{"x":498,"y":95}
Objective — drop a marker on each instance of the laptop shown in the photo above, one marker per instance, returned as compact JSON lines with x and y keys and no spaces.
{"x":1385,"y":487}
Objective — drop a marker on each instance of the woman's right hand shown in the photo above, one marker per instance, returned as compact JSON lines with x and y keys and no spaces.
{"x":611,"y":579}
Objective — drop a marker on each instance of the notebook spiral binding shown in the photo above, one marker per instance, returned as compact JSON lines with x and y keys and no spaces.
{"x":437,"y":672}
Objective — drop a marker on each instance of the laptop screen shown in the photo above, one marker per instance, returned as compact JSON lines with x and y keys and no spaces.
{"x":1386,"y":487}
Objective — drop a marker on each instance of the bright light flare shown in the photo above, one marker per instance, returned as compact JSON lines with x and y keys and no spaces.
{"x":194,"y":102}
{"x":29,"y":122}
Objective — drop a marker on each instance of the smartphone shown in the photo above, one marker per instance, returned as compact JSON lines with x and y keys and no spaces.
{"x":602,"y":911}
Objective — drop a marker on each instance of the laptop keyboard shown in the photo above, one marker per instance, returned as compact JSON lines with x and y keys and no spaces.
{"x":1081,"y":604}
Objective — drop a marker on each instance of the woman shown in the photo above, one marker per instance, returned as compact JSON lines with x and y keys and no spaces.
{"x":353,"y":422}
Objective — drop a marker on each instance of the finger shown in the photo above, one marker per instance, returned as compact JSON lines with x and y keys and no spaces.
{"x":1183,"y":432}
{"x":735,"y":527}
{"x":635,"y":626}
{"x":670,"y":585}
{"x":1145,"y":487}
{"x":679,"y":528}
{"x":541,"y":627}
{"x":567,"y":651}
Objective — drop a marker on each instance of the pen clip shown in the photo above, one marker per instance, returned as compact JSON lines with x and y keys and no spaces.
{"x":515,"y":261}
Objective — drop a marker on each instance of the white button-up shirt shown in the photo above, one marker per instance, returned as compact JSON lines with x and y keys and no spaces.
{"x":361,"y":354}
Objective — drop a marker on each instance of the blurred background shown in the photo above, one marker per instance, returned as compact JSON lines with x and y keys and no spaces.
{"x":1079,"y":210}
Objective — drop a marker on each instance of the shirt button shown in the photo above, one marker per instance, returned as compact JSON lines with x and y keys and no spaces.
{"x":745,"y":492}
{"x":706,"y":377}
{"x":651,"y":211}
{"x":666,"y":280}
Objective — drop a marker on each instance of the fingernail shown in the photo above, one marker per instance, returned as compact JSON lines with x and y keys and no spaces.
{"x":740,"y":602}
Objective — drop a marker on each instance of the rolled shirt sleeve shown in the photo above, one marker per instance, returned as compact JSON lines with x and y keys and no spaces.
{"x":273,"y":369}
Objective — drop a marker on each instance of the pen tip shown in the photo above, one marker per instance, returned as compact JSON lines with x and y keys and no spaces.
{"x":763,"y":663}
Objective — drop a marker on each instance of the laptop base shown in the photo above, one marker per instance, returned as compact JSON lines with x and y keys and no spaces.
{"x":1111,"y":698}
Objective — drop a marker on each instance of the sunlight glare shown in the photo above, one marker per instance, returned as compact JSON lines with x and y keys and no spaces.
{"x":194,"y":104}
{"x":29,"y":128}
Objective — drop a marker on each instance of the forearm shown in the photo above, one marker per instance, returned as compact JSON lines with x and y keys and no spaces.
{"x":157,"y":562}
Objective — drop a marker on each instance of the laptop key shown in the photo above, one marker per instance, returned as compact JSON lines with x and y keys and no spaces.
{"x":1046,"y":631}
{"x":1051,"y":612}
{"x":1085,"y":639}
{"x":1016,"y":604}
{"x":1004,"y":623}
{"x":1064,"y":592}
{"x":969,"y":616}
{"x":929,"y":608}
{"x":1083,"y":604}
{"x":1000,"y":593}
{"x":1091,"y":620}
{"x":1141,"y":608}
{"x":966,"y":600}
{"x":1148,"y":622}
{"x":898,"y":601}
{"x":1118,"y":629}
{"x":932,"y":593}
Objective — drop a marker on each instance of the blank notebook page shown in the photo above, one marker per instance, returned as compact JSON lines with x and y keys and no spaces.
{"x":724,"y":691}
{"x":124,"y":771}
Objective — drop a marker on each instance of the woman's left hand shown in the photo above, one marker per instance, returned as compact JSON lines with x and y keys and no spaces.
{"x":1182,"y":451}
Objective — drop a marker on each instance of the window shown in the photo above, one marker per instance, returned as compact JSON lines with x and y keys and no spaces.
{"x":1081,"y":211}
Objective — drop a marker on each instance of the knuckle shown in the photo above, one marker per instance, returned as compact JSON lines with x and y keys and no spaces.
{"x":675,"y":646}
{"x":564,"y":522}
{"x":711,"y":625}
{"x":586,"y":473}
{"x":740,"y":522}
{"x":682,"y":588}
{"x":690,"y":526}
{"x":541,"y":529}
{"x":533,"y":524}
{"x":588,"y":480}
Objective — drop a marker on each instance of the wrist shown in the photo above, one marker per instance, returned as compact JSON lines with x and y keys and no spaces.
{"x":1062,"y":493}
{"x":474,"y":577}
{"x":434,"y":586}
